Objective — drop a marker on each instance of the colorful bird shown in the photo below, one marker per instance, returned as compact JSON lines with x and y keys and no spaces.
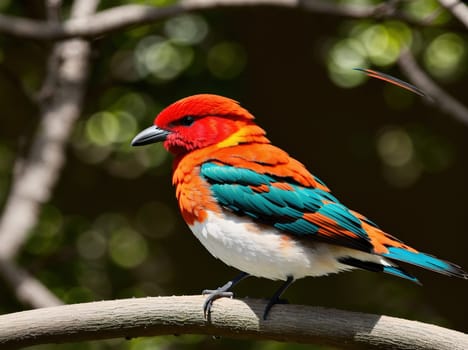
{"x":259,"y":210}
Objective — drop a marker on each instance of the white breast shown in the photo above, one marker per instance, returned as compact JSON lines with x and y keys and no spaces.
{"x":263,"y":251}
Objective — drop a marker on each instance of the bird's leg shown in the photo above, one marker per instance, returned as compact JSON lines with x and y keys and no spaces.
{"x":221,"y":292}
{"x":275,"y":299}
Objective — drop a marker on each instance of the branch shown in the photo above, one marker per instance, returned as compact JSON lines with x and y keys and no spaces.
{"x":129,"y":15}
{"x":28,"y":290}
{"x":35,"y":179}
{"x":442,"y":99}
{"x":33,"y":185}
{"x":53,"y":10}
{"x":230,"y":317}
{"x":458,"y":9}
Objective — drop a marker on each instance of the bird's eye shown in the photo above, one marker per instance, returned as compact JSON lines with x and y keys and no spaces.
{"x":186,"y":121}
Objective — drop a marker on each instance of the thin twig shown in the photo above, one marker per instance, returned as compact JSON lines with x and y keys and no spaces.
{"x":229,"y":318}
{"x":458,"y":8}
{"x":129,"y":15}
{"x":442,"y":99}
{"x":28,"y":290}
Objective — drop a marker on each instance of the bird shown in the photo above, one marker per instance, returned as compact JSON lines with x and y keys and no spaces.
{"x":259,"y":210}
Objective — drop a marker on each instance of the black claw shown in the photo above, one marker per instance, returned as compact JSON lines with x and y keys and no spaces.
{"x":207,"y":307}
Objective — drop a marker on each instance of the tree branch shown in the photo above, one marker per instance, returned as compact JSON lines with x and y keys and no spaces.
{"x":28,"y":290}
{"x":35,"y":179}
{"x":33,"y":185}
{"x":458,"y":9}
{"x":129,"y":15}
{"x":442,"y":99}
{"x":230,"y":317}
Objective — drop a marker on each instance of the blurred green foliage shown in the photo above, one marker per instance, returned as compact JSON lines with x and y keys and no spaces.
{"x":113,"y":230}
{"x":186,"y":342}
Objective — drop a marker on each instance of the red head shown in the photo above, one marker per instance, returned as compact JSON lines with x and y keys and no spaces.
{"x":196,"y":122}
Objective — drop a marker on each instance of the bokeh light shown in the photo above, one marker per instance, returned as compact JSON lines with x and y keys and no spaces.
{"x":381,"y":47}
{"x":92,"y":244}
{"x":343,"y":57}
{"x":396,"y":150}
{"x":104,"y":128}
{"x":226,"y":60}
{"x":445,"y":56}
{"x":135,"y":104}
{"x":188,"y":29}
{"x":127,"y":248}
{"x":408,"y":152}
{"x":368,"y":42}
{"x":104,"y":138}
{"x":383,"y":42}
{"x":395,"y":146}
{"x":161,"y":58}
{"x":426,"y":10}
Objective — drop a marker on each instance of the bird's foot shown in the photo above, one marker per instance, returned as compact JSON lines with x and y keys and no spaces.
{"x":221,"y":292}
{"x":213,"y":294}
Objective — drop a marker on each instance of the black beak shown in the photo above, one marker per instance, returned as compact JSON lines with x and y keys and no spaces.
{"x":152,"y":134}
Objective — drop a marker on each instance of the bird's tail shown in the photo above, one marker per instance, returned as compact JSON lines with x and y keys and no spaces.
{"x":425,"y":261}
{"x":390,"y":247}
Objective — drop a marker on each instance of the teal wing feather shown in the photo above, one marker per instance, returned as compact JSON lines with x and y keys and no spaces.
{"x":285,"y":205}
